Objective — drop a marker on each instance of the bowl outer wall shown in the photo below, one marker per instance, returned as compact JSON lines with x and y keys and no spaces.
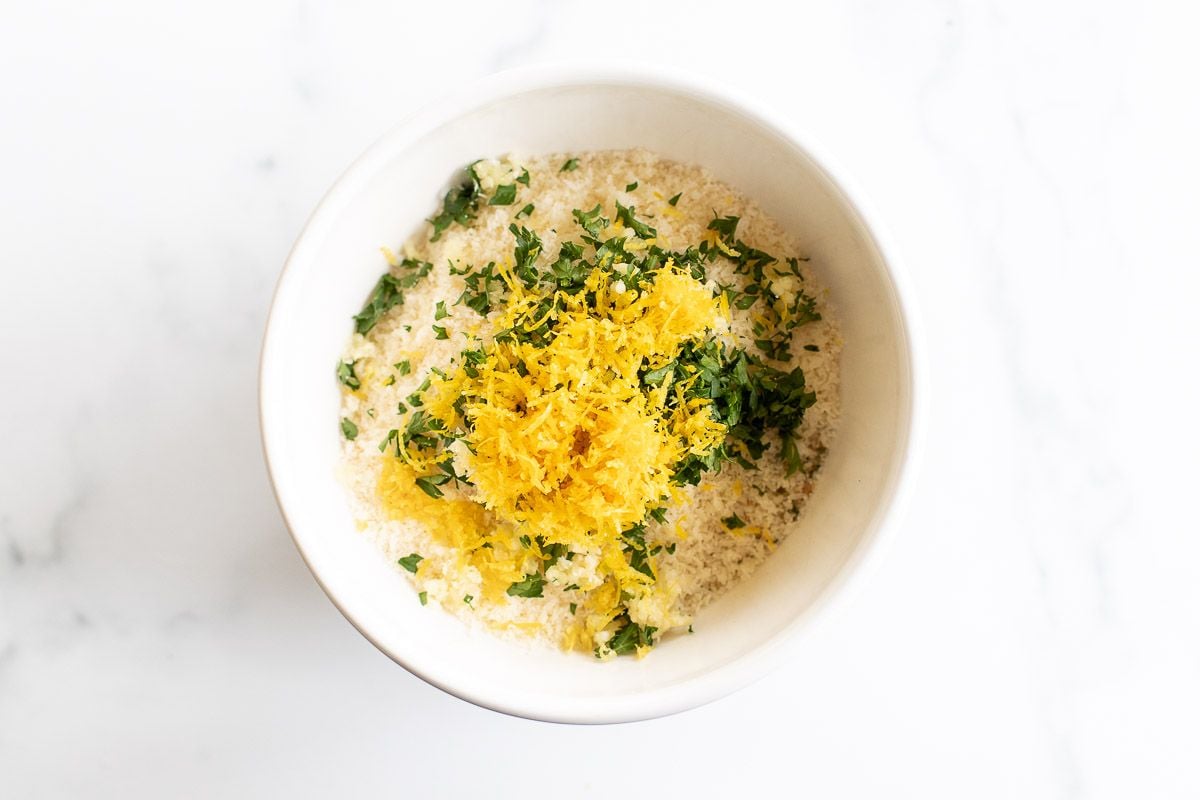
{"x":755,"y":662}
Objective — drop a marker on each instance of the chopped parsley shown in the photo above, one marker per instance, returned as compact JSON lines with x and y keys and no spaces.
{"x":733,"y":522}
{"x":504,"y":195}
{"x":527,"y":211}
{"x":630,"y":187}
{"x":591,"y":221}
{"x":640,"y":229}
{"x":403,"y":367}
{"x":481,"y":286}
{"x":630,"y":637}
{"x":410,"y":562}
{"x":675,"y":200}
{"x":392,"y":438}
{"x":570,"y":165}
{"x":655,"y":377}
{"x":349,"y":429}
{"x":529,"y":586}
{"x":725,"y":226}
{"x":528,"y":248}
{"x":440,"y":312}
{"x":639,"y":560}
{"x":346,"y":376}
{"x":384,"y":296}
{"x":460,"y":205}
{"x":429,"y":484}
{"x":423,"y":597}
{"x":440,"y":332}
{"x":523,"y":177}
{"x":389,"y":292}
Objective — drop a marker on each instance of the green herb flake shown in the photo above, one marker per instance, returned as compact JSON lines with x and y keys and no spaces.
{"x":655,"y":377}
{"x":392,"y":437}
{"x":440,"y":312}
{"x":409,"y":562}
{"x":733,"y":522}
{"x":639,"y":561}
{"x":812,"y":348}
{"x":440,"y":332}
{"x":631,"y":637}
{"x":573,"y":607}
{"x":744,"y":302}
{"x":504,"y":196}
{"x":675,"y":200}
{"x":346,"y":376}
{"x":630,"y":187}
{"x":424,"y":598}
{"x":553,"y":552}
{"x":459,"y":205}
{"x":591,"y":221}
{"x":570,"y":165}
{"x":524,"y":176}
{"x":384,"y":296}
{"x":429,"y":484}
{"x":791,"y":456}
{"x":640,"y":229}
{"x":529,"y":586}
{"x":403,"y":367}
{"x":525,"y":253}
{"x":349,"y":429}
{"x":527,"y":211}
{"x":468,"y":599}
{"x":726,"y":227}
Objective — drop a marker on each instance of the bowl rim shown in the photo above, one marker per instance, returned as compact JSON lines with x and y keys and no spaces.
{"x":769,"y":654}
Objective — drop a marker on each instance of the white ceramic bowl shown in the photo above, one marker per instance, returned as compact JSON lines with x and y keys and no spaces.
{"x":382,"y":199}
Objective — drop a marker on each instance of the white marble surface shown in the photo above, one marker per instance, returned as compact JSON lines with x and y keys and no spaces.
{"x":1033,"y":632}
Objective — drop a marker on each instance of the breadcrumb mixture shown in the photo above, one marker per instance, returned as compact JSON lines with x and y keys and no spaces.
{"x":708,"y":555}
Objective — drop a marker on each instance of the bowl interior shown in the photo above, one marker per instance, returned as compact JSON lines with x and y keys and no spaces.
{"x":384,"y":197}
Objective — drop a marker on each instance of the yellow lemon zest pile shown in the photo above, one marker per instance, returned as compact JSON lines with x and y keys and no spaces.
{"x":467,"y":527}
{"x":567,"y":447}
